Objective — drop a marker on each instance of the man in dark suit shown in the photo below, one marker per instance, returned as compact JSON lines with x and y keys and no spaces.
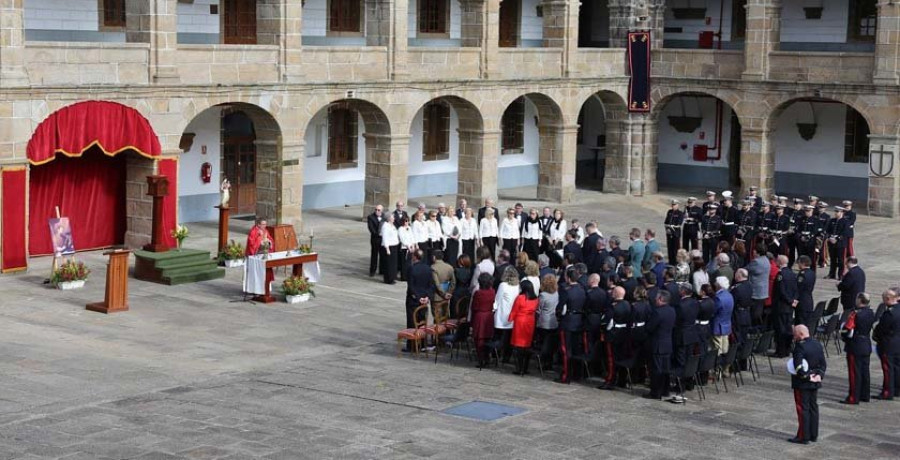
{"x":785,"y":300}
{"x":461,"y":209}
{"x":853,"y":282}
{"x":570,"y":311}
{"x":838,"y":232}
{"x":488,"y":203}
{"x":589,"y":247}
{"x":400,"y":214}
{"x":572,"y":246}
{"x":742,"y":292}
{"x":809,"y":369}
{"x":806,"y":283}
{"x":659,"y":330}
{"x":502,"y":264}
{"x":887,"y":336}
{"x":419,"y":289}
{"x":686,"y":336}
{"x":856,"y":331}
{"x":374,"y":222}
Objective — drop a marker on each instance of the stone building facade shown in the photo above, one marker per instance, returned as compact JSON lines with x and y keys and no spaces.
{"x":282,"y":84}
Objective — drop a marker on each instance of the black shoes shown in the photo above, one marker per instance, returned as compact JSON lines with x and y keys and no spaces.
{"x":798,"y":441}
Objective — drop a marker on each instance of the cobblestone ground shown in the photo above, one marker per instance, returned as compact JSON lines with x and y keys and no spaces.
{"x":192,"y":372}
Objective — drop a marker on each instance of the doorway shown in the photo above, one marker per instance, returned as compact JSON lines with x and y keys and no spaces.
{"x":239,"y":160}
{"x":734,"y":153}
{"x":509,"y":23}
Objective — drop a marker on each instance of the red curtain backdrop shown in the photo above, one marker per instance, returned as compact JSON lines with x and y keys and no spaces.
{"x":13,"y":196}
{"x":169,"y":167}
{"x":110,"y":126}
{"x":90,"y":191}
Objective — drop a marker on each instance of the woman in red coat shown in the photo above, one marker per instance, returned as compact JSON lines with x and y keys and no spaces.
{"x":482,"y":316}
{"x":523,"y":317}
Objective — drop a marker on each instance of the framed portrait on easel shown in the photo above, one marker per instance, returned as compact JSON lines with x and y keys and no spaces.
{"x":61,"y":236}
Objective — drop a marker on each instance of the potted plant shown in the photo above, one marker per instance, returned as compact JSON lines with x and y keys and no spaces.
{"x":297,"y":289}
{"x":180,"y":234}
{"x":233,"y":254}
{"x":70,"y":275}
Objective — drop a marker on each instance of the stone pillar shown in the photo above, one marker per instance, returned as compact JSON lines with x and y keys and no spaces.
{"x":289,"y":208}
{"x":399,"y":44}
{"x":619,"y":22}
{"x":478,"y":159}
{"x":758,"y":160}
{"x":387,"y":158}
{"x":12,"y":44}
{"x":490,"y":44}
{"x":378,"y":22}
{"x":763,"y":36}
{"x":656,"y":20}
{"x":155,"y":22}
{"x":631,"y":157}
{"x":884,"y":179}
{"x":561,"y":30}
{"x":472,"y":13}
{"x":887,"y":44}
{"x":279,"y":22}
{"x":139,"y":206}
{"x":557,"y":153}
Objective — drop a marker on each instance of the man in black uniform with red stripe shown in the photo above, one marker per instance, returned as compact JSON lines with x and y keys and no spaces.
{"x":856,"y":329}
{"x":806,"y":378}
{"x":887,"y":336}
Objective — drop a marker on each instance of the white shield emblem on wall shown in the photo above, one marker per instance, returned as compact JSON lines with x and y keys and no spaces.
{"x":881,"y":160}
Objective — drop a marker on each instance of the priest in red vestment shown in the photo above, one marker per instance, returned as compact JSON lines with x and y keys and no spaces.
{"x":258,"y":235}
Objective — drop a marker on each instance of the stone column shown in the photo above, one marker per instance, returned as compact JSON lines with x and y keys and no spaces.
{"x":557,"y":153}
{"x":490,"y":43}
{"x":631,"y":156}
{"x":561,"y":30}
{"x":387,"y":158}
{"x":887,"y":44}
{"x":656,"y":22}
{"x":884,"y":179}
{"x":12,"y":44}
{"x":399,"y":43}
{"x":619,"y":22}
{"x":472,"y":13}
{"x":763,"y":36}
{"x":758,"y":160}
{"x":279,"y":22}
{"x":289,"y":209}
{"x":478,"y":159}
{"x":155,"y":22}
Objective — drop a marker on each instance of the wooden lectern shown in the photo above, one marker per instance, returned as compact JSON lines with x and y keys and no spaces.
{"x":284,"y":237}
{"x":158,"y":188}
{"x":224,"y":212}
{"x":116,"y":284}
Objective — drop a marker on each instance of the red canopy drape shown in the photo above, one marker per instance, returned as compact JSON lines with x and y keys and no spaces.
{"x":90,"y":191}
{"x":110,"y":126}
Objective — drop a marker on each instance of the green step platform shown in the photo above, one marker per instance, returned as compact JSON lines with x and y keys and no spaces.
{"x":176,"y":266}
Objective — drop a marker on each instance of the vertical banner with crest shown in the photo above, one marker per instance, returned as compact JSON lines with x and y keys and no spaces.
{"x":639,"y":68}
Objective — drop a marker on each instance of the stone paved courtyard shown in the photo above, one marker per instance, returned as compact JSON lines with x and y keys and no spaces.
{"x":192,"y":372}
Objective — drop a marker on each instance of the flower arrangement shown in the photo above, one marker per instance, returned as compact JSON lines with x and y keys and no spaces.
{"x":304,"y":249}
{"x":180,"y":234}
{"x":298,"y":285}
{"x":70,"y":271}
{"x":233,"y":251}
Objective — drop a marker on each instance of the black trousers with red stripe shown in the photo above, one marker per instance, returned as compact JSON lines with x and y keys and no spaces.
{"x":568,"y":345}
{"x":806,"y":402}
{"x":890,"y":365}
{"x":858,"y":373}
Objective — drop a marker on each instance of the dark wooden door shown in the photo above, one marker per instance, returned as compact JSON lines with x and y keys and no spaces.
{"x":738,"y":20}
{"x":239,"y":22}
{"x":239,"y":160}
{"x":509,"y":23}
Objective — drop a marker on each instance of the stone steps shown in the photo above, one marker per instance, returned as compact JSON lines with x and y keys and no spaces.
{"x":176,"y":266}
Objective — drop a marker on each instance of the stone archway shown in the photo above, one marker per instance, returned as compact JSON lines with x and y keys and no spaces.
{"x":600,"y":160}
{"x":348,"y":162}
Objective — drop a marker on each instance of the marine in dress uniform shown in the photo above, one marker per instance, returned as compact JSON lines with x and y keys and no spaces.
{"x":806,"y":382}
{"x":807,"y":227}
{"x":659,"y":331}
{"x":754,"y":197}
{"x":838,"y":232}
{"x":710,"y":201}
{"x":785,"y":299}
{"x":856,"y":329}
{"x":729,"y":215}
{"x":806,"y":283}
{"x":746,"y":225}
{"x":797,"y":215}
{"x":780,"y":228}
{"x":887,"y":336}
{"x":692,"y":216}
{"x":711,"y":230}
{"x":850,"y":214}
{"x":616,"y":337}
{"x":765,"y":223}
{"x":570,"y":311}
{"x":674,"y":221}
{"x":822,"y":237}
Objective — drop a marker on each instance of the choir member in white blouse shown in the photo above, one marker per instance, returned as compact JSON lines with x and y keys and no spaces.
{"x":532,"y":234}
{"x":407,"y":244}
{"x":390,"y":250}
{"x":450,"y":229}
{"x":488,"y":232}
{"x":558,"y":229}
{"x":509,"y":233}
{"x":468,"y":233}
{"x":435,"y":234}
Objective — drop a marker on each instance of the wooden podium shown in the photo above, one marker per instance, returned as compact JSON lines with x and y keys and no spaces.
{"x":284,"y":237}
{"x":224,"y":212}
{"x":158,"y":188}
{"x":116,"y":284}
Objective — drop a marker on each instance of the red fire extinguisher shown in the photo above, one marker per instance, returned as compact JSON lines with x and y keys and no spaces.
{"x":206,"y":172}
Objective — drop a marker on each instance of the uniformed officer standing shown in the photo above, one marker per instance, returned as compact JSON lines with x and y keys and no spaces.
{"x":765,"y":222}
{"x":856,"y":329}
{"x":729,"y":220}
{"x":711,"y":230}
{"x":809,"y":368}
{"x":674,"y":221}
{"x":785,"y":300}
{"x":755,"y":199}
{"x":806,"y":231}
{"x":659,"y":330}
{"x":822,"y":237}
{"x":837,"y":243}
{"x":686,"y":337}
{"x":710,"y":201}
{"x":617,"y":319}
{"x":780,"y":228}
{"x":571,"y":323}
{"x":746,"y":230}
{"x":796,"y":215}
{"x":806,"y":283}
{"x":887,"y":336}
{"x":692,"y":216}
{"x":850,"y":214}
